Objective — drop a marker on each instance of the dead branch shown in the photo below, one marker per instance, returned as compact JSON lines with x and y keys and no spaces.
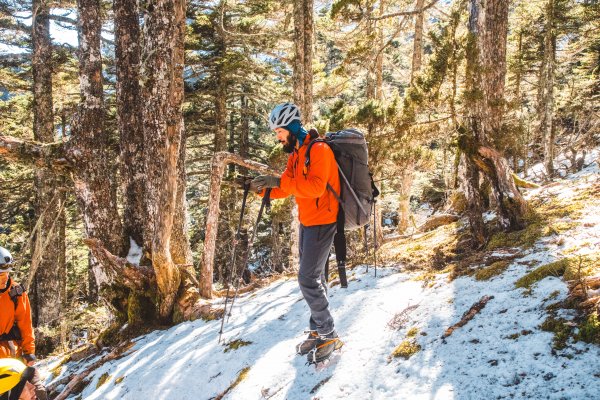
{"x":404,"y":13}
{"x":402,"y":317}
{"x":50,"y":155}
{"x":469,"y":315}
{"x":77,"y":379}
{"x":137,"y":277}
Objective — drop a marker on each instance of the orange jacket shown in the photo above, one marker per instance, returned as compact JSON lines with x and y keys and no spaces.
{"x":316,"y":204}
{"x":22,"y":316}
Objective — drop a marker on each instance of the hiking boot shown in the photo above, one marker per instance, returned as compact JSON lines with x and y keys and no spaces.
{"x":308,"y":344}
{"x":324,"y":346}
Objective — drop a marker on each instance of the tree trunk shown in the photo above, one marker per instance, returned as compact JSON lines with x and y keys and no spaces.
{"x":546,"y":99}
{"x":486,"y":70}
{"x":162,"y":94}
{"x":89,"y":149}
{"x":298,"y":65}
{"x":48,"y":263}
{"x":406,"y":180}
{"x":219,"y":162}
{"x":417,"y":42}
{"x":309,"y":32}
{"x":127,"y":53}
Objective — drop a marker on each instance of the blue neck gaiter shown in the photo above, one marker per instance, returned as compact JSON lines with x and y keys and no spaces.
{"x":296,"y":129}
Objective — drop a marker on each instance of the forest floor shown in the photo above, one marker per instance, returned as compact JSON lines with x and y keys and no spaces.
{"x":524,"y":343}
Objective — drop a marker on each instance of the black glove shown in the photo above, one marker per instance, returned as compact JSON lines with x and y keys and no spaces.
{"x":264,"y":181}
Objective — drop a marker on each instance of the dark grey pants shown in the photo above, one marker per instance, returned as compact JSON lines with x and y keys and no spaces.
{"x":315,"y":244}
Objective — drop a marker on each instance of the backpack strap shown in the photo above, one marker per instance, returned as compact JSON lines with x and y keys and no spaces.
{"x":15,"y":292}
{"x":307,"y":154}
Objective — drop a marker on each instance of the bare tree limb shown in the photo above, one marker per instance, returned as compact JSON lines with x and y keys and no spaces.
{"x":404,"y":13}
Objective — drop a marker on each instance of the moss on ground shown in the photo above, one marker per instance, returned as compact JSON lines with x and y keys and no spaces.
{"x":570,"y":268}
{"x":556,"y":269}
{"x":235,"y":344}
{"x":241,"y":376}
{"x":589,"y":329}
{"x":493,"y":270}
{"x":406,"y":349}
{"x":103,"y":379}
{"x":560,"y":329}
{"x":412,"y":332}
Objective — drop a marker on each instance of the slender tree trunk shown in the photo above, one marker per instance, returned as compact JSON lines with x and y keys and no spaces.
{"x":309,"y":32}
{"x":48,"y":266}
{"x":407,"y":174}
{"x":486,"y":69}
{"x":417,"y":42}
{"x":162,"y":94}
{"x":220,"y":140}
{"x":406,"y":179}
{"x":546,"y":106}
{"x":298,"y":65}
{"x":129,"y":118}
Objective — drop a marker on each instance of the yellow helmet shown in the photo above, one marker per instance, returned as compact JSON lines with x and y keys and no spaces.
{"x":10,"y":373}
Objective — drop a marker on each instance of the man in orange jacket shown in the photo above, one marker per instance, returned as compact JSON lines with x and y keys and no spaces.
{"x":15,"y":321}
{"x":318,"y":207}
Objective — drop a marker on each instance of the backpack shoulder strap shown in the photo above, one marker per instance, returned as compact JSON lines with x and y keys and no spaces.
{"x":16,"y":291}
{"x":307,"y":154}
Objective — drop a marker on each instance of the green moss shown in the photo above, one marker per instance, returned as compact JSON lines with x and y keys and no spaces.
{"x":406,"y":349}
{"x":489,"y":272}
{"x":561,"y":331}
{"x":570,"y":268}
{"x":241,"y":376}
{"x":235,"y":344}
{"x":412,"y":332}
{"x":556,"y":268}
{"x":589,"y":330}
{"x":524,"y":238}
{"x":103,"y":379}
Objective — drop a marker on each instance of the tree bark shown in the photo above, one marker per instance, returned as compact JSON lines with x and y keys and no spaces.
{"x":417,"y":42}
{"x":162,"y":94}
{"x":546,"y":98}
{"x":49,"y":239}
{"x":486,"y":70}
{"x":89,"y":150}
{"x":309,"y":32}
{"x":129,"y":118}
{"x":298,"y":65}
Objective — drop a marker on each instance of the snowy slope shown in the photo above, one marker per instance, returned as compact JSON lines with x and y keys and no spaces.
{"x":478,"y":361}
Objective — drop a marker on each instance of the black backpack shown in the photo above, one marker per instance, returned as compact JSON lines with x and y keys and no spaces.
{"x":358,"y":190}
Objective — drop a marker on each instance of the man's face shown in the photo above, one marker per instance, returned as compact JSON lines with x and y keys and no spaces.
{"x":287,"y":140}
{"x":3,"y":279}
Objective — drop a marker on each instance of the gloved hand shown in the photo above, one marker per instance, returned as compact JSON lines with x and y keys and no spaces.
{"x":264,"y":181}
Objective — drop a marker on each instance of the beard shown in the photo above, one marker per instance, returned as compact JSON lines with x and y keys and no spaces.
{"x":290,"y":143}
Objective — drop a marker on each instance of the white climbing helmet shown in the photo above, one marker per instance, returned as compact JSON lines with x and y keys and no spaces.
{"x":6,"y":260}
{"x":283,"y":114}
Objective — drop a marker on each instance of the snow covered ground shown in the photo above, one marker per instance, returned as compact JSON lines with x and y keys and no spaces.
{"x":502,"y":353}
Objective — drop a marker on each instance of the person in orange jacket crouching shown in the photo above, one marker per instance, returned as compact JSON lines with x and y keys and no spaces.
{"x":314,"y":185}
{"x":16,"y":330}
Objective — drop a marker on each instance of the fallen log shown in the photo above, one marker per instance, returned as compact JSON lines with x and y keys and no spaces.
{"x":469,"y":315}
{"x":75,"y":381}
{"x":436,"y":221}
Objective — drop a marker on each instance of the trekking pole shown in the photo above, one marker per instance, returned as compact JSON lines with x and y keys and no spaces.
{"x":233,"y":269}
{"x":366,"y":236}
{"x":375,"y":236}
{"x":266,"y":202}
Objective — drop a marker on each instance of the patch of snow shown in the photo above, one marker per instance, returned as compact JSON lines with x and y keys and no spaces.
{"x":135,"y":252}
